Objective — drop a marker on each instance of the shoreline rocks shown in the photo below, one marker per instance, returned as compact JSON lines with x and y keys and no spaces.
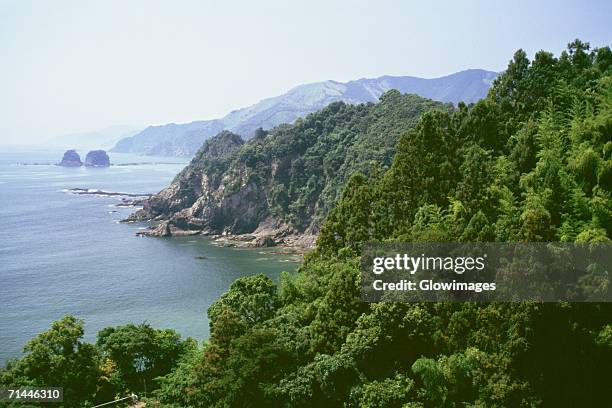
{"x":269,"y":234}
{"x":95,"y":191}
{"x":127,"y":199}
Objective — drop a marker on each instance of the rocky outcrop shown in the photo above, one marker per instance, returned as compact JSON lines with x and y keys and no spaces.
{"x":200,"y":200}
{"x":97,"y":158}
{"x":197,"y":199}
{"x":71,"y":159}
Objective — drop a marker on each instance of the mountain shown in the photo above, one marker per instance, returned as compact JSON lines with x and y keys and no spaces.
{"x":184,"y":139}
{"x":99,"y":139}
{"x":280,"y":184}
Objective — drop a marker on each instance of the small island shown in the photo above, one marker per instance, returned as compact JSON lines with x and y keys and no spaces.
{"x":71,"y":159}
{"x":95,"y":158}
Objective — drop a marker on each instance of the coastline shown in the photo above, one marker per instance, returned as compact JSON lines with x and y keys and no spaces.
{"x":265,"y":236}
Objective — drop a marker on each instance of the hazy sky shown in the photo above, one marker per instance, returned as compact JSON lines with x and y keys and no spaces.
{"x":73,"y":66}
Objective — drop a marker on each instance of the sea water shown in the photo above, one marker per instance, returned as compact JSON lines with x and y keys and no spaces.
{"x":63,"y":253}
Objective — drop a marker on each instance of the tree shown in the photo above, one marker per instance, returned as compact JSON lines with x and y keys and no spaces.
{"x":142,"y":353}
{"x":252,"y":298}
{"x":57,"y":358}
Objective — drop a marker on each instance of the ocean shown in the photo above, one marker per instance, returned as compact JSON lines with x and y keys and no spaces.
{"x":63,"y":253}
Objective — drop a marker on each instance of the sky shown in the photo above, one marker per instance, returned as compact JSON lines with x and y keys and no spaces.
{"x":78,"y":66}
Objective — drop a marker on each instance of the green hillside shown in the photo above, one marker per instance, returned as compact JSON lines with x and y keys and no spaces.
{"x":532,"y":162}
{"x":289,"y":177}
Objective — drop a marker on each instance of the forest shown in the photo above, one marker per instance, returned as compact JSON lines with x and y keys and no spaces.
{"x":532,"y":162}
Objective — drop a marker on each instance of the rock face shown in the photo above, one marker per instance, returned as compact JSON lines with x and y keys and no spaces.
{"x":97,"y":158}
{"x":195,"y":201}
{"x":71,"y":159}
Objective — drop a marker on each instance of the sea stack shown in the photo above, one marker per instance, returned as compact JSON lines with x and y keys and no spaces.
{"x":71,"y":159}
{"x":97,"y":158}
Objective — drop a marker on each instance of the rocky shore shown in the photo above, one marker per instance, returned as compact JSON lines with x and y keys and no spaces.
{"x":232,"y":207}
{"x":270,"y":233}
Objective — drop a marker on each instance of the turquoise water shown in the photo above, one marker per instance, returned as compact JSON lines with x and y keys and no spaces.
{"x":62,"y":253}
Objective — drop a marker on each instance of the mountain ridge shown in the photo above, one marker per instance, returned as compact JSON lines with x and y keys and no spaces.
{"x":185,"y":139}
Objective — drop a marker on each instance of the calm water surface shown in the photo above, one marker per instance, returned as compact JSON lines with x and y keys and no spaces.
{"x":62,"y":253}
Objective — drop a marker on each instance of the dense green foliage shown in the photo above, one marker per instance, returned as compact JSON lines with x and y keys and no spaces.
{"x":313,"y":159}
{"x":531,"y":162}
{"x":125,"y":359}
{"x":57,"y":356}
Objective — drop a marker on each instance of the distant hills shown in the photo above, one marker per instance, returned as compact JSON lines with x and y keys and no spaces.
{"x":100,"y":139}
{"x":185,"y":139}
